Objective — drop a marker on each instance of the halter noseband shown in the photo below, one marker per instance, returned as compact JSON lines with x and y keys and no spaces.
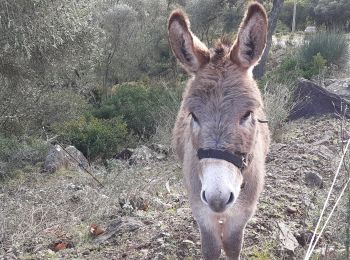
{"x":237,"y":160}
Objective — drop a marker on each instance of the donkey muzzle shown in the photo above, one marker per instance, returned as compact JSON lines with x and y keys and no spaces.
{"x":221,"y":184}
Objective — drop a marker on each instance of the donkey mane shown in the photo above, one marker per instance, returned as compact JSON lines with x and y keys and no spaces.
{"x":221,"y":48}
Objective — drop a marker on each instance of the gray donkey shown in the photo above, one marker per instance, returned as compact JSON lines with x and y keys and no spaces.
{"x":220,"y":135}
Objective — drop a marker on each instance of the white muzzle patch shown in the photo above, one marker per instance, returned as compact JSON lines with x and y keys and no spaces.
{"x":221,"y":184}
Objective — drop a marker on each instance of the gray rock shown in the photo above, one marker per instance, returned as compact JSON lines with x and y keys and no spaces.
{"x":325,"y":152}
{"x":291,"y":210}
{"x":142,"y":154}
{"x":58,"y":159}
{"x":313,"y":100}
{"x":286,"y":237}
{"x":55,"y":159}
{"x":159,"y":148}
{"x":313,"y":179}
{"x":310,"y":29}
{"x":124,"y":155}
{"x":76,"y":159}
{"x":340,"y":87}
{"x":119,"y":226}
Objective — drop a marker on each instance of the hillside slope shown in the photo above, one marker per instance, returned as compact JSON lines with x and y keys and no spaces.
{"x":145,"y":213}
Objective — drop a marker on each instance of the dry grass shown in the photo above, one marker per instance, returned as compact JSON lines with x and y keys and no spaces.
{"x":277,"y":99}
{"x":40,"y":208}
{"x":166,"y":116}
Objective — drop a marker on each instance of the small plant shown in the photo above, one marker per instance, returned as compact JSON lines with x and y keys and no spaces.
{"x":263,"y":253}
{"x":316,"y":67}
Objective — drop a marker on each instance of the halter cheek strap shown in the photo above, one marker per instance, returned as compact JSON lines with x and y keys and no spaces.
{"x":236,"y":160}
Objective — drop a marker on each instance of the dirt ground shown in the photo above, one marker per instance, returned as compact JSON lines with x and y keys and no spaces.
{"x":144,"y":212}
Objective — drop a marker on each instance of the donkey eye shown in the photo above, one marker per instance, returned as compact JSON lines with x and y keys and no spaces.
{"x":194,"y":117}
{"x":246,"y":116}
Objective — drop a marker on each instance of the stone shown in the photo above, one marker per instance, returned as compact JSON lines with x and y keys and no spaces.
{"x":134,"y":202}
{"x":124,"y":155}
{"x":313,"y":179}
{"x":286,"y":237}
{"x":57,"y":159}
{"x":313,"y":100}
{"x":142,"y":154}
{"x":303,"y":237}
{"x":74,"y":187}
{"x":310,"y":29}
{"x":324,"y":152}
{"x":76,"y":159}
{"x":159,"y":148}
{"x":118,"y":226}
{"x":291,"y":209}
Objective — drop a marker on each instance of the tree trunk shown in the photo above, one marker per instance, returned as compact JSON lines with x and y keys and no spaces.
{"x":294,"y":15}
{"x":259,"y":70}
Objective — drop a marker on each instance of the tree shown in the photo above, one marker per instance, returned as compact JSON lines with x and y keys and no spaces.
{"x":48,"y":46}
{"x":301,"y":9}
{"x":332,"y":14}
{"x":294,"y":15}
{"x":259,"y":70}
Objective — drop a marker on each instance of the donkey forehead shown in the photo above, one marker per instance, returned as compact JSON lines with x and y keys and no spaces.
{"x":219,"y":94}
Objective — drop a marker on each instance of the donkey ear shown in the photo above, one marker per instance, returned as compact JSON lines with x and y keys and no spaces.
{"x":251,"y":39}
{"x":187,"y":48}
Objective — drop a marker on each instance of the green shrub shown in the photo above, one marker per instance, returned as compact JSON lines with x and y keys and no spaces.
{"x":15,"y":154}
{"x":281,"y":28}
{"x":95,"y":138}
{"x":139,"y":105}
{"x":332,"y":46}
{"x":292,"y":67}
{"x":287,"y":72}
{"x":7,"y":147}
{"x":316,"y":67}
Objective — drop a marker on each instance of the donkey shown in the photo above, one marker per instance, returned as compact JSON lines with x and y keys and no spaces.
{"x":219,"y":134}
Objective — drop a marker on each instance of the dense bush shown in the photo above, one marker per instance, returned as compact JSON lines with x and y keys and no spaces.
{"x":318,"y":52}
{"x":288,"y":70}
{"x":332,"y":46}
{"x":16,"y":154}
{"x":140,"y":105}
{"x":95,"y":138}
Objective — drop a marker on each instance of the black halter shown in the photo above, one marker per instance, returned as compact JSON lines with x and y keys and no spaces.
{"x":237,"y":160}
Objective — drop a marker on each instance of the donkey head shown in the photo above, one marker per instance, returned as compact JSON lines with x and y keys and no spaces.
{"x":222,"y":102}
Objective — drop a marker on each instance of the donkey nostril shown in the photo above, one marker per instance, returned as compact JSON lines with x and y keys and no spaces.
{"x":203,"y":197}
{"x":231,"y":198}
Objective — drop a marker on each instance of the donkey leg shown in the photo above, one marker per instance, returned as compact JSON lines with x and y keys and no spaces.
{"x":211,"y":244}
{"x":232,"y":242}
{"x":232,"y":237}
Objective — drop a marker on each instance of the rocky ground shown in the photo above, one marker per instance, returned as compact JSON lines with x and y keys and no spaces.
{"x":142,"y":211}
